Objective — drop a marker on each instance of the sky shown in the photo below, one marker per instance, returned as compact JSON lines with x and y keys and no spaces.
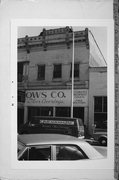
{"x":99,"y":33}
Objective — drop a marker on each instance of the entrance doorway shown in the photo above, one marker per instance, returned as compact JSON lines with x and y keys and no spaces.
{"x":78,"y":112}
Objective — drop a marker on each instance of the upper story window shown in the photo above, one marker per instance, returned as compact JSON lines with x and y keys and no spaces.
{"x":57,"y":73}
{"x":20,"y":68}
{"x":41,"y":72}
{"x":76,"y":70}
{"x":21,"y":96}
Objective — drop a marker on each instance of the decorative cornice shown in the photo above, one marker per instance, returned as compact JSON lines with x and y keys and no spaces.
{"x":50,"y":85}
{"x":53,"y":37}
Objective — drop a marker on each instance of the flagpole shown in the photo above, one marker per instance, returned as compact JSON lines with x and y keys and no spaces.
{"x":72,"y":90}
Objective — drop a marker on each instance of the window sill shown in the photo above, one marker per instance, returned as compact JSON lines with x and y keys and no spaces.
{"x":57,"y":80}
{"x":75,"y":79}
{"x":41,"y":80}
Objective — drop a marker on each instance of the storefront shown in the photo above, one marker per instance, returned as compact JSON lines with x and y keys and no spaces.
{"x":56,"y":103}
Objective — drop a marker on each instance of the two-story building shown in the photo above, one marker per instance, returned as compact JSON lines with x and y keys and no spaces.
{"x":45,"y":73}
{"x":45,"y":76}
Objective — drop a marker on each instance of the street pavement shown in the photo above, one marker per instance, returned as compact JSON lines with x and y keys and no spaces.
{"x":98,"y":147}
{"x":102,"y":150}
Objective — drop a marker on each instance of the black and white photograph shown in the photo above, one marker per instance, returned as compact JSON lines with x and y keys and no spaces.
{"x":59,"y":90}
{"x":62,"y":93}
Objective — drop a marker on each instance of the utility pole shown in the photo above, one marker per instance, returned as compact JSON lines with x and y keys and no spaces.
{"x":72,"y":90}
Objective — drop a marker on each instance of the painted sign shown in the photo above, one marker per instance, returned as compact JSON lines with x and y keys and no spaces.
{"x":56,"y":122}
{"x":56,"y":98}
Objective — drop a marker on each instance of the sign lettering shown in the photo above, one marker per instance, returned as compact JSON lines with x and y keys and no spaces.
{"x":56,"y":98}
{"x":56,"y":122}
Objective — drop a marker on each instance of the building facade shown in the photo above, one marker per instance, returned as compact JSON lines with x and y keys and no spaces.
{"x":45,"y":76}
{"x":97,"y":99}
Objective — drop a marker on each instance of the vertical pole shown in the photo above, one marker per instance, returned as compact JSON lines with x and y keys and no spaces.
{"x":25,"y":114}
{"x":72,"y":91}
{"x":54,"y":109}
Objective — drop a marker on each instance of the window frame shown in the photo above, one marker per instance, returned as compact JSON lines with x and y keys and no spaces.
{"x":27,"y":148}
{"x":102,"y":107}
{"x":102,"y":112}
{"x":75,"y":77}
{"x":20,"y":65}
{"x":38,"y":77}
{"x":54,"y":71}
{"x":23,"y":75}
{"x":53,"y":148}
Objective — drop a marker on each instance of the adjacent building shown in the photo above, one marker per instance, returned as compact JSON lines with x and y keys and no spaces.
{"x":97,"y":99}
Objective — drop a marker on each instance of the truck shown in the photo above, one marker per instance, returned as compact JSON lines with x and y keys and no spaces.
{"x":57,"y":125}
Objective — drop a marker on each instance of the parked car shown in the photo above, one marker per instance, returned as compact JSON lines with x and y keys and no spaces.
{"x":100,"y":135}
{"x":55,"y":147}
{"x":55,"y":125}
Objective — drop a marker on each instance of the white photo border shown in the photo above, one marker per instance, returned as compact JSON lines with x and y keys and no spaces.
{"x":92,"y":164}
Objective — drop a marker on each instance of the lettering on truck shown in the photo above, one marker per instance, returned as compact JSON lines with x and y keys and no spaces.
{"x":56,"y":122}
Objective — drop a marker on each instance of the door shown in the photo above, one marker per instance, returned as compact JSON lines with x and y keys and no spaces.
{"x":78,"y":112}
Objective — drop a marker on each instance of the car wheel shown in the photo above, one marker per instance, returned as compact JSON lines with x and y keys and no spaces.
{"x":103,"y":141}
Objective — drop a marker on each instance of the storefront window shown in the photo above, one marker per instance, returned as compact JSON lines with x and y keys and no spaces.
{"x":63,"y":112}
{"x":105,"y":104}
{"x":39,"y":111}
{"x":100,"y":112}
{"x":78,"y":112}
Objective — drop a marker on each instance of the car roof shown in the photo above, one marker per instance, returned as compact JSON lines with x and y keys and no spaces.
{"x":54,"y":118}
{"x":37,"y":139}
{"x":49,"y":139}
